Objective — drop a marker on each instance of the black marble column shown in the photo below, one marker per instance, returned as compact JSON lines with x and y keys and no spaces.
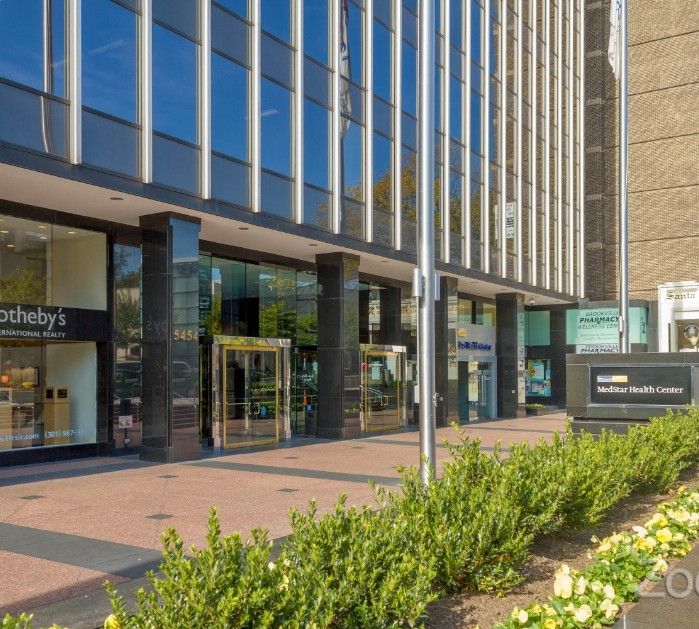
{"x":338,"y":346}
{"x":558,"y":356}
{"x":509,"y":334}
{"x":170,"y":345}
{"x":446,"y":369}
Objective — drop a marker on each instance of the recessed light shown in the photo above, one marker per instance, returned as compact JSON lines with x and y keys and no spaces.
{"x":385,"y":261}
{"x":11,"y":246}
{"x":2,"y":220}
{"x":115,"y":199}
{"x":313,"y":245}
{"x":72,"y":232}
{"x":243,"y":229}
{"x":4,"y":231}
{"x":41,"y":226}
{"x":43,"y":237}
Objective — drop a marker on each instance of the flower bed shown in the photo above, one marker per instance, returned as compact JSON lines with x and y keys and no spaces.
{"x":593,"y":597}
{"x":469,"y":530}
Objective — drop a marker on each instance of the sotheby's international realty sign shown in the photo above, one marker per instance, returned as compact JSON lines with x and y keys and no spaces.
{"x":649,"y":385}
{"x":29,"y":322}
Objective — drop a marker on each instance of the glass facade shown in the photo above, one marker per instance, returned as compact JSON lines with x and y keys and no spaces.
{"x":309,"y":112}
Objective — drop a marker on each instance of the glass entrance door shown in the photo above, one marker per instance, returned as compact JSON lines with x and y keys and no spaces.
{"x":251,"y":396}
{"x":382,"y":390}
{"x":480,"y":380}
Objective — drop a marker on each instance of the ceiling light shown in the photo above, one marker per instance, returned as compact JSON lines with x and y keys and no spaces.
{"x":72,"y":232}
{"x":43,"y":237}
{"x":243,"y":229}
{"x":41,"y":226}
{"x":115,"y":199}
{"x":10,"y":246}
{"x":4,"y":231}
{"x":313,"y":245}
{"x":385,"y":261}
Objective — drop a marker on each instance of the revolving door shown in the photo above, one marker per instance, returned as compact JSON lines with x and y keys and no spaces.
{"x":383,"y":379}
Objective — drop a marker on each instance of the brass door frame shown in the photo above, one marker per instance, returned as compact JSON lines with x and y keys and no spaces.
{"x":365,"y":379}
{"x":250,"y":348}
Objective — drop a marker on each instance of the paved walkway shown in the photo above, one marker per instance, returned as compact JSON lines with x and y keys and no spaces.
{"x":66,"y":527}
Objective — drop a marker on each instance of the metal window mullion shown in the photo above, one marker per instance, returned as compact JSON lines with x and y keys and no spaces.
{"x":397,"y":77}
{"x":547,"y":143}
{"x":534,"y":143}
{"x":559,"y":146}
{"x":74,"y":81}
{"x":519,"y":66}
{"x":570,"y":169}
{"x":298,"y":130}
{"x":145,"y":62}
{"x":336,"y":18}
{"x":205,"y":98}
{"x":256,"y":108}
{"x":466,"y":121}
{"x":503,"y":138}
{"x":485,"y":131}
{"x":369,"y":119}
{"x":581,"y":149}
{"x":446,"y":128}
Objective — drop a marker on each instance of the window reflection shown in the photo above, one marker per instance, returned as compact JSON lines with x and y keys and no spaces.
{"x":276,"y":127}
{"x":276,"y":18}
{"x":316,"y":167}
{"x":229,"y":107}
{"x":316,"y":24}
{"x":383,"y":60}
{"x":409,"y":79}
{"x":353,"y":161}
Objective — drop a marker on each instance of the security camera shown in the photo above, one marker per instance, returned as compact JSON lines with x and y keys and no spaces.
{"x":532,"y":302}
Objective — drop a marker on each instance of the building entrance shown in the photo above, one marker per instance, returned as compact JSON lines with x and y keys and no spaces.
{"x":382,"y":389}
{"x":480,"y":384}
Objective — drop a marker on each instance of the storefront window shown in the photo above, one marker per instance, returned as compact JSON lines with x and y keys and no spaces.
{"x":538,"y":378}
{"x":52,"y":265}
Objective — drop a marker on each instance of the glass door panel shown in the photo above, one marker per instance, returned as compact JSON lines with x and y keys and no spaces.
{"x":382,"y":380}
{"x":479,"y":390}
{"x":251,"y":397}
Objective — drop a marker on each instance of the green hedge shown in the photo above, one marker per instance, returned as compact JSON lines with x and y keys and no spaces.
{"x":471,"y":529}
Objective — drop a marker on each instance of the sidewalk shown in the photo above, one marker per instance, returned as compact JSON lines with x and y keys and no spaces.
{"x":66,"y":527}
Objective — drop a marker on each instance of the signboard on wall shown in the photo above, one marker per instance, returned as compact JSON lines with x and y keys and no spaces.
{"x":652,"y":385}
{"x":56,"y":323}
{"x":475,"y":340}
{"x":599,"y":327}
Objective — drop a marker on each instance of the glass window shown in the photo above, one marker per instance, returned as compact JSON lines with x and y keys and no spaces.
{"x":476,"y":104}
{"x":230,"y":181}
{"x":277,"y":195}
{"x":178,"y":14}
{"x":383,"y":180}
{"x":229,"y":35}
{"x":276,"y":18}
{"x":174,"y":85}
{"x":316,"y":165}
{"x":455,"y":108}
{"x":276,"y":128}
{"x":316,"y":82}
{"x":456,"y":23}
{"x":22,"y":45}
{"x":109,"y":59}
{"x":409,"y":27}
{"x":353,"y":161}
{"x":316,"y":28}
{"x":409,"y":131}
{"x":352,"y":219}
{"x":110,"y":145}
{"x":383,"y":117}
{"x":383,"y":9}
{"x":476,"y":32}
{"x":239,"y":7}
{"x":353,"y":69}
{"x":409,"y":82}
{"x":229,"y":107}
{"x":383,"y":59}
{"x":317,"y":207}
{"x":277,"y":61}
{"x":175,"y":164}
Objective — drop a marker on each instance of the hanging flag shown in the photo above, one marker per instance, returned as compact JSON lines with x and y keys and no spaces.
{"x":345,"y":70}
{"x":614,"y":54}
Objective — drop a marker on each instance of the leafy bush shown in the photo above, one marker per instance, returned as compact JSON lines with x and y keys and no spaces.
{"x":533,"y":407}
{"x":363,"y":554}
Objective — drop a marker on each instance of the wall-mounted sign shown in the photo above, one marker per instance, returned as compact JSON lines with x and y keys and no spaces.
{"x":509,"y":221}
{"x":610,"y":348}
{"x":475,"y":340}
{"x":600,"y":327}
{"x":652,"y":385}
{"x":28,"y":322}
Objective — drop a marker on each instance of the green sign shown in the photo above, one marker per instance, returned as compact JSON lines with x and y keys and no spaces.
{"x":599,"y":326}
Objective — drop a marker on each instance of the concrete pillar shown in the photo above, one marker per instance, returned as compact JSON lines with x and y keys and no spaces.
{"x":446,"y":365}
{"x":510,"y":350}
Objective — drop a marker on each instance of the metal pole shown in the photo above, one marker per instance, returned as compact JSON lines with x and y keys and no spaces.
{"x":624,"y":346}
{"x":425,"y":238}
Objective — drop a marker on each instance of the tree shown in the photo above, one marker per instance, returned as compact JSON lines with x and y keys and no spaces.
{"x":22,"y":286}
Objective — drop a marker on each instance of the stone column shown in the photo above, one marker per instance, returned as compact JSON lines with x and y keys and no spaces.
{"x":446,"y":365}
{"x":170,"y":327}
{"x":390,"y":315}
{"x":338,"y":346}
{"x":509,"y":334}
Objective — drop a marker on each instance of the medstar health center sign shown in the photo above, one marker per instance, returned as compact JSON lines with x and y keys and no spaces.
{"x":596,"y":330}
{"x":653,"y":385}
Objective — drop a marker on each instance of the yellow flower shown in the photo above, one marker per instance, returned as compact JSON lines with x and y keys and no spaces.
{"x":563,"y":586}
{"x":604,"y":547}
{"x":596,"y":586}
{"x":660,"y":565}
{"x":664,"y":535}
{"x":111,"y":622}
{"x":581,"y":585}
{"x":550,"y":623}
{"x":583,"y":613}
{"x":569,"y":608}
{"x":564,"y":569}
{"x":609,"y":608}
{"x":681,"y":490}
{"x":536,"y":609}
{"x":548,"y":610}
{"x":522,"y":616}
{"x":657,"y":520}
{"x":609,"y":592}
{"x":640,"y":531}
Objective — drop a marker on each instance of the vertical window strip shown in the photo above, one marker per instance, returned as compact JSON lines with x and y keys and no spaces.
{"x":335,"y":43}
{"x":546,"y":161}
{"x":502,"y":197}
{"x":581,"y":149}
{"x":74,"y":74}
{"x":533,"y":121}
{"x":368,"y":72}
{"x":145,"y":62}
{"x":445,"y":197}
{"x":298,"y":131}
{"x":519,"y":250}
{"x":255,"y":108}
{"x":204,"y":81}
{"x":466,"y":125}
{"x":559,"y":146}
{"x":485,"y":143}
{"x":397,"y":123}
{"x":571,"y":148}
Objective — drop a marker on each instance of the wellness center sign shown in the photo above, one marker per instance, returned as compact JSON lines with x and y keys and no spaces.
{"x":596,"y":330}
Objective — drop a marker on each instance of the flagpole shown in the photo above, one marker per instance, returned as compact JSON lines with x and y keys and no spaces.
{"x":624,"y":345}
{"x":425,"y":245}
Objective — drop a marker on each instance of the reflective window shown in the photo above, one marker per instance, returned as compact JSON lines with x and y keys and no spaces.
{"x":316,"y":165}
{"x":229,"y":107}
{"x":383,"y":117}
{"x":476,"y":104}
{"x":237,"y":6}
{"x":317,"y":207}
{"x":353,"y":68}
{"x":109,"y":59}
{"x":316,"y":25}
{"x":178,"y":14}
{"x":276,"y":127}
{"x":110,"y":144}
{"x":353,"y":161}
{"x":22,"y":45}
{"x":277,"y":195}
{"x":229,"y":35}
{"x":409,"y":79}
{"x":383,"y":180}
{"x":277,"y":61}
{"x":276,"y":18}
{"x":383,"y":60}
{"x":383,"y":10}
{"x":175,"y":164}
{"x":409,"y":26}
{"x":455,"y":108}
{"x":174,"y":85}
{"x":456,"y":22}
{"x":230,"y":181}
{"x":316,"y":82}
{"x":476,"y":30}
